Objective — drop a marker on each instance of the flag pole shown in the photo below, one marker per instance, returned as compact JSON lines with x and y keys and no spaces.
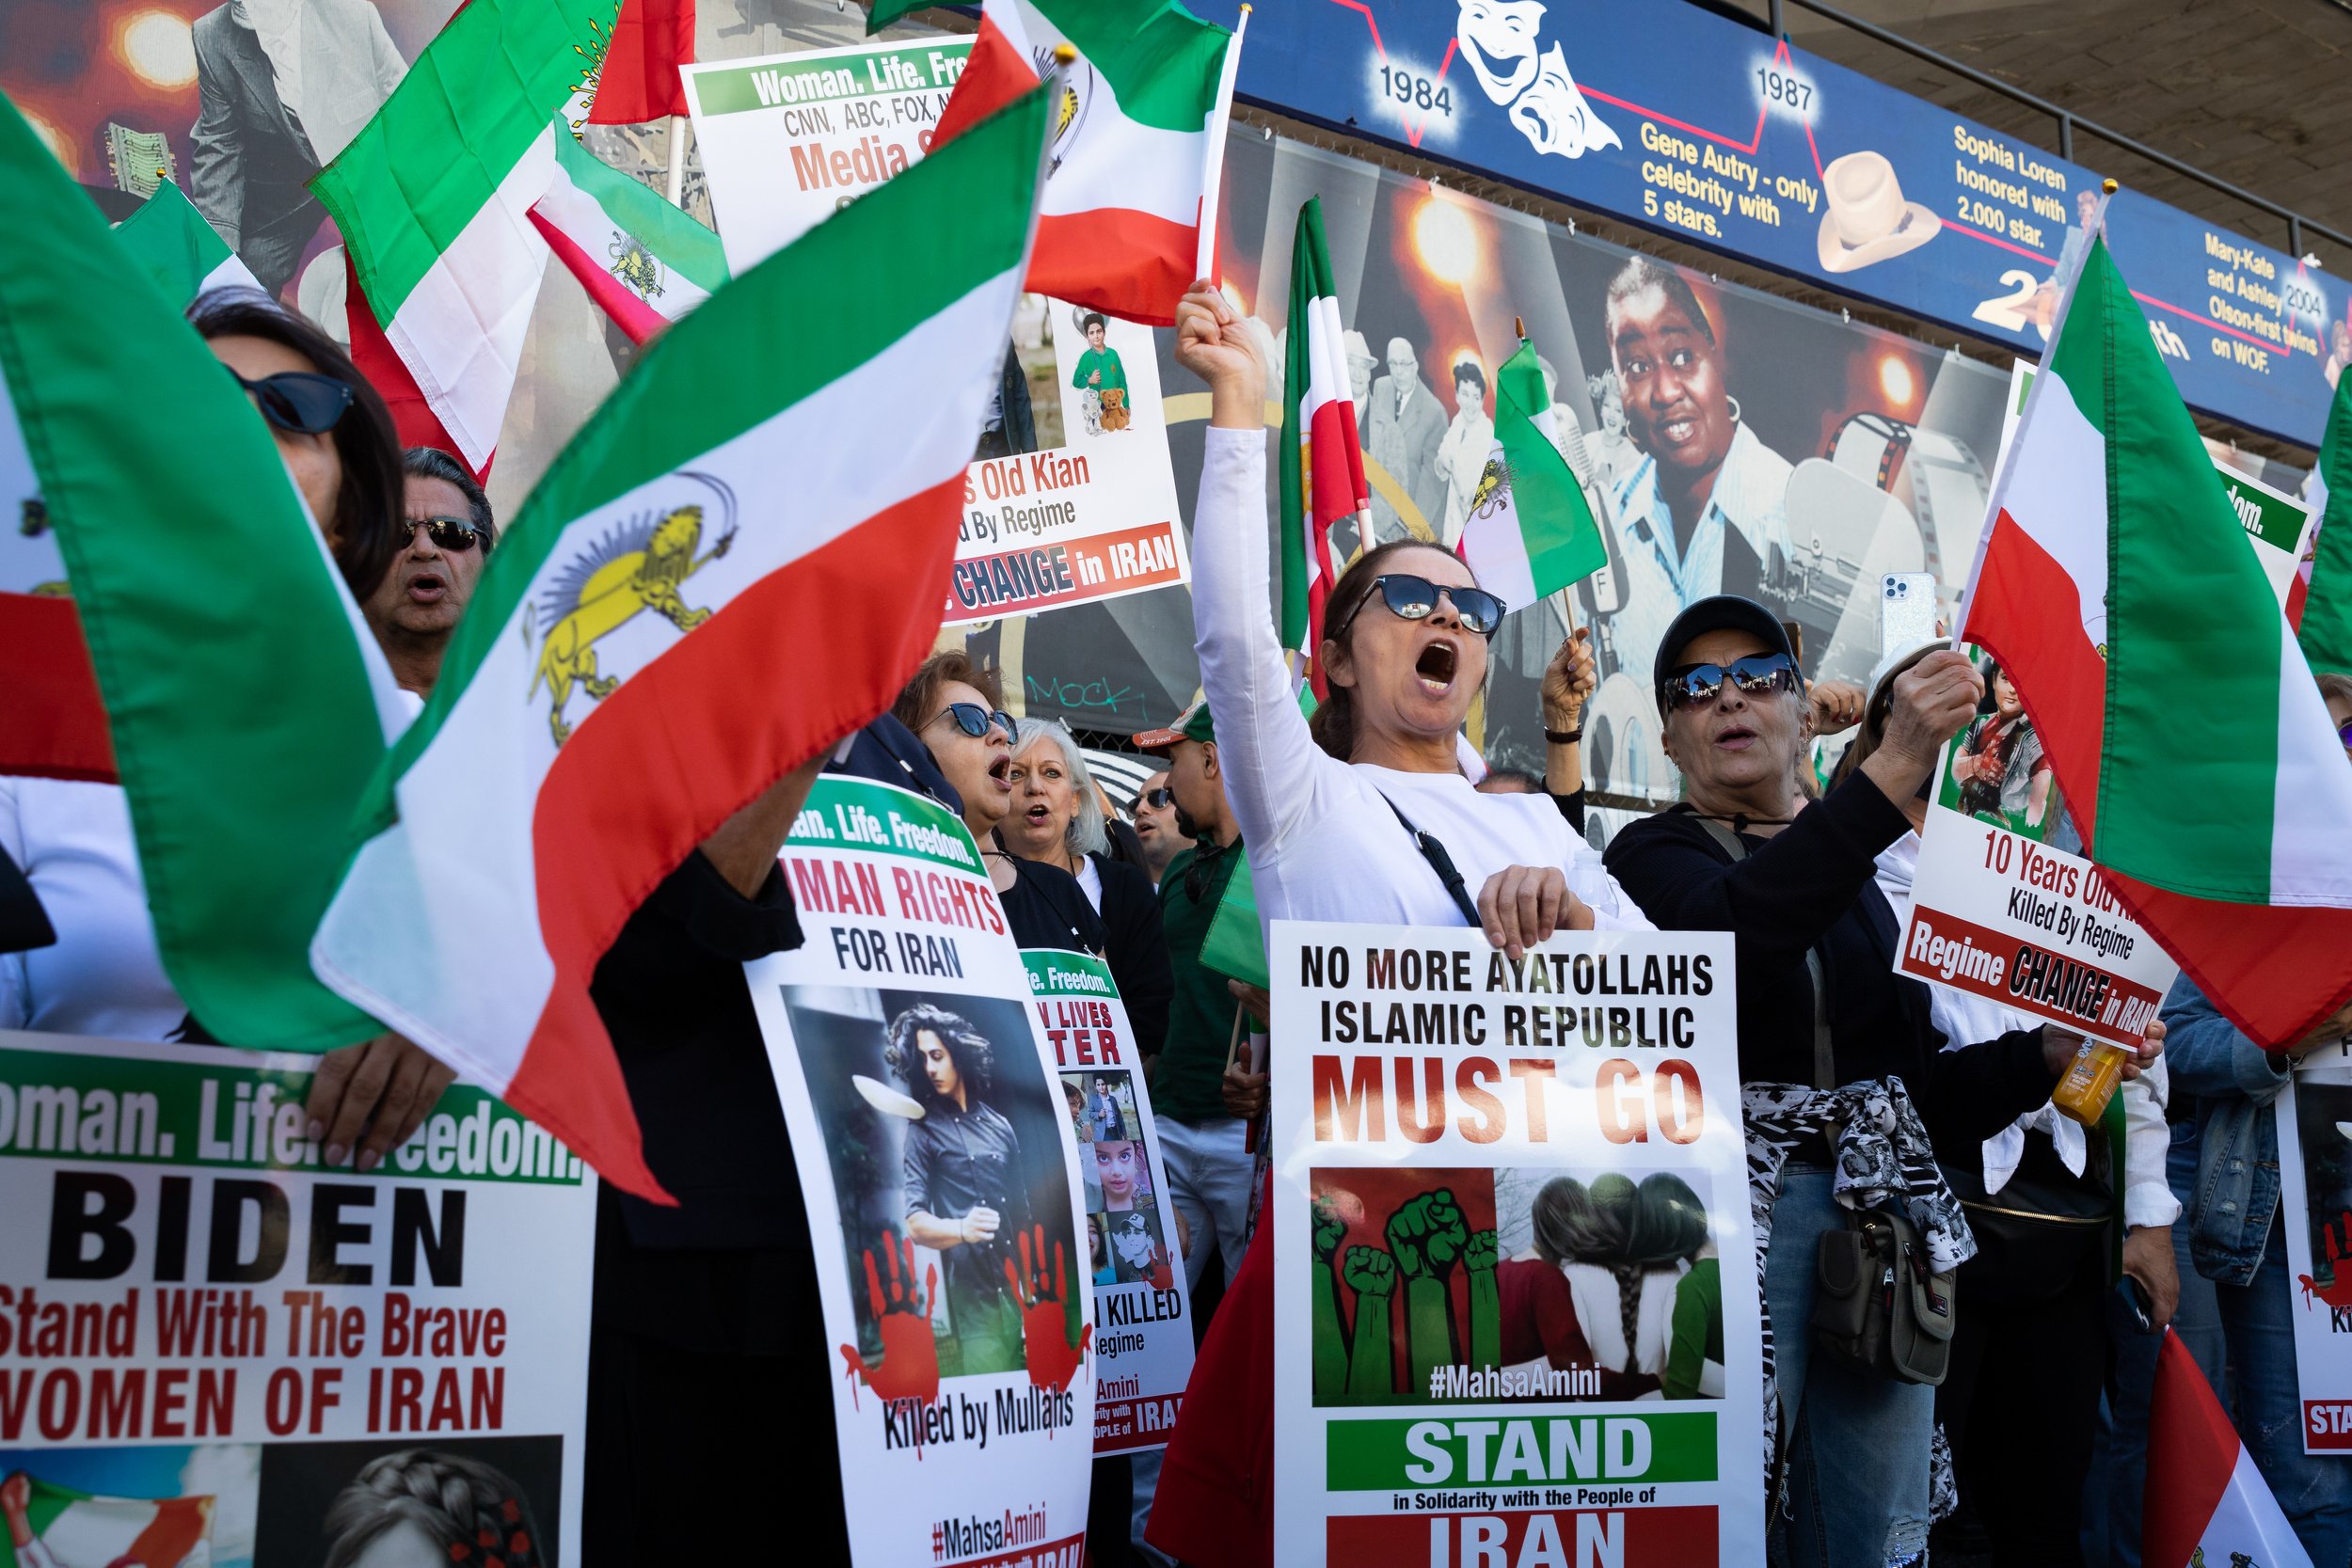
{"x":675,"y":186}
{"x":1205,"y":260}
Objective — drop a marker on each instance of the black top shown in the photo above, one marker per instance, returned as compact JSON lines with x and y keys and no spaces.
{"x":1815,"y":883}
{"x":961,"y":1159}
{"x":1139,"y":949}
{"x":1046,"y":908}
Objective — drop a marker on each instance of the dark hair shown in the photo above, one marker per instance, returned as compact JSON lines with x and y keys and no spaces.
{"x":1334,"y":722}
{"x":1092,"y":320}
{"x":1613,"y":1203}
{"x":1642,"y":274}
{"x":1467,"y":370}
{"x":365,"y":533}
{"x":1669,"y":1221}
{"x":975,"y":1059}
{"x":433,"y":463}
{"x":918,"y":701}
{"x":1569,"y":1228}
{"x":2332,"y":684}
{"x":454,"y":1501}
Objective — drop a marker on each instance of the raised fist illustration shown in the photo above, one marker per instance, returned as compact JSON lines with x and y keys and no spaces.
{"x":1479,"y":1254}
{"x":1427,"y":1234}
{"x":1369,"y":1271}
{"x":1329,"y":1229}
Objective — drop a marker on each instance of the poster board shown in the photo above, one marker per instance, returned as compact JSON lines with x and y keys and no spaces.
{"x":207,"y":1336}
{"x":2314,"y":1123}
{"x":1449,"y":1100}
{"x":935,"y":1152}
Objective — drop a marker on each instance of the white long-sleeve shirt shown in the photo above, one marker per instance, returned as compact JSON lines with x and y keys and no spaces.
{"x":103,"y":976}
{"x":1323,"y":844}
{"x":2146,"y":1196}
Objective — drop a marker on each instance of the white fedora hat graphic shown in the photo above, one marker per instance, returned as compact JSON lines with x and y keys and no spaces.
{"x":1868,"y":220}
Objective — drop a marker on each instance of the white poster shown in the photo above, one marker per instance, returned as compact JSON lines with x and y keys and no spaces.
{"x":2315,"y":1124}
{"x":1071,"y":498}
{"x":215,"y":1353}
{"x":936,"y":1152}
{"x":1485,"y":1153}
{"x":1143,"y":1327}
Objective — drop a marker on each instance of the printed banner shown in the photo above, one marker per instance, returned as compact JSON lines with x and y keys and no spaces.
{"x":1143,"y":1324}
{"x":935,"y":1152}
{"x":2314,"y":1122}
{"x":216,"y":1352}
{"x":1702,"y":129}
{"x":1498,"y":1154}
{"x":1072,"y":499}
{"x":1998,"y":915}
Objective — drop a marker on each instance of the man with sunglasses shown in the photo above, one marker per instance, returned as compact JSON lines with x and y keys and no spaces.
{"x":422,"y":596}
{"x":1158,"y":825}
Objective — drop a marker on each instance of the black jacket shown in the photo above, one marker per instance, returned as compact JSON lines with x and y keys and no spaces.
{"x":1139,"y":949}
{"x":1814,"y":885}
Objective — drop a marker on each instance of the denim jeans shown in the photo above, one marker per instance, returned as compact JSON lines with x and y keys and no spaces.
{"x":1209,"y":1168}
{"x":1860,"y":1443}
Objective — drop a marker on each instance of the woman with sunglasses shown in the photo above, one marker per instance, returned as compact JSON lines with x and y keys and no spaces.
{"x":1795,"y":882}
{"x":1364,"y":817}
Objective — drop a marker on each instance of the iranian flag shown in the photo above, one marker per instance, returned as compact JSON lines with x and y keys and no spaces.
{"x":2325,"y":632}
{"x":75,"y":1530}
{"x":639,"y":78}
{"x":644,"y":262}
{"x":53,"y":723}
{"x":1322,"y":460}
{"x":1139,"y":139}
{"x":434,"y":195}
{"x":2207,"y":1504}
{"x":2114,"y":585}
{"x":1530,"y":532}
{"x":179,"y":248}
{"x":737,"y":560}
{"x":247,"y":706}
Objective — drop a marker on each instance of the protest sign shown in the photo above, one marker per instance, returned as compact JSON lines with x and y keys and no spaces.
{"x":935,"y":1153}
{"x":2314,"y":1122}
{"x":213,"y":1348}
{"x":1465,"y":1393}
{"x":1072,"y":499}
{"x":1997,"y":914}
{"x":1143,"y":1324}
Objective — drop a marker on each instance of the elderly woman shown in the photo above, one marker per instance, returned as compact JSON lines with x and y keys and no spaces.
{"x":1366,"y":816}
{"x":1820,"y":1006}
{"x":1056,"y":820}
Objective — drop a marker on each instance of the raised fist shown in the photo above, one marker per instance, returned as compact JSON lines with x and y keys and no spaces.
{"x":1329,"y":1228}
{"x":1369,"y":1271}
{"x":1479,"y":1254}
{"x":1427,"y":1233}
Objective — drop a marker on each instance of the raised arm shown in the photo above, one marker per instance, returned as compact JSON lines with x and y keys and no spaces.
{"x":1270,"y":761}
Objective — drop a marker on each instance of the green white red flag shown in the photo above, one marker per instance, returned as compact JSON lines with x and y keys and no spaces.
{"x":1530,"y":532}
{"x":1321,"y":456}
{"x":433,"y":198}
{"x":179,"y":248}
{"x":2325,"y":631}
{"x":739,"y":560}
{"x":81,"y":1529}
{"x":644,"y":262}
{"x":2206,"y":1501}
{"x":248,"y":707}
{"x":1139,"y":139}
{"x":2114,"y":585}
{"x":638,"y":80}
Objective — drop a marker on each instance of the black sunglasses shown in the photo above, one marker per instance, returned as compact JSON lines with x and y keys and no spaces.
{"x":1697,"y":685}
{"x":974,"y":720}
{"x":455,"y":535}
{"x":1158,"y":800}
{"x":1414,"y":598}
{"x":303,"y":402}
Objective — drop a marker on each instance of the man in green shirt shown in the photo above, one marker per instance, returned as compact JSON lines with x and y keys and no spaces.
{"x":1202,"y":1136}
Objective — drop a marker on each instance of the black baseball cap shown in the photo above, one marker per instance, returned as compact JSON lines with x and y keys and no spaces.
{"x":1722,"y":612}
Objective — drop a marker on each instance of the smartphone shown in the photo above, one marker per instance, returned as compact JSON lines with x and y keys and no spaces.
{"x":1906,"y":609}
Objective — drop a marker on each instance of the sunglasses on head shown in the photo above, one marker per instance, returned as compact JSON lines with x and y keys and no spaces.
{"x":974,"y":720}
{"x":1697,"y":685}
{"x":454,"y":535}
{"x":1412,"y":598}
{"x":302,"y":402}
{"x":1158,"y":800}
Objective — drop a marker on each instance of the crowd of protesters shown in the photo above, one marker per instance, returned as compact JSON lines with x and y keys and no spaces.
{"x":706,"y":1320}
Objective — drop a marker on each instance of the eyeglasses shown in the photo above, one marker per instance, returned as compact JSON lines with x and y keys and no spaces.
{"x":1158,"y":800}
{"x":302,"y":402}
{"x":974,"y":720}
{"x":455,"y":534}
{"x":1697,"y":685}
{"x":1412,"y":598}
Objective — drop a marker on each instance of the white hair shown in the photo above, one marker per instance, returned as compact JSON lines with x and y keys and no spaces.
{"x":1085,"y":834}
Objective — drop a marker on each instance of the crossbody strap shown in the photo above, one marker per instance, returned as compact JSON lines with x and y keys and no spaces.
{"x":1824,"y":1058}
{"x":1440,"y":862}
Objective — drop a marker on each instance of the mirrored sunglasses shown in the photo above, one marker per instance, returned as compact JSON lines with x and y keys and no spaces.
{"x":1697,"y":685}
{"x":302,"y":402}
{"x":1415,"y":598}
{"x":974,"y":720}
{"x":1158,"y":800}
{"x":454,"y":535}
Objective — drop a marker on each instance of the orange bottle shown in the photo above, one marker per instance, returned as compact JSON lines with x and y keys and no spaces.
{"x":2091,"y":1081}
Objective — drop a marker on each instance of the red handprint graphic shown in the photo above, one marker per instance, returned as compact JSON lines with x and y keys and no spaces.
{"x":909,"y":1368}
{"x":1162,"y":1276}
{"x":2337,"y":1293}
{"x":1053,"y":1359}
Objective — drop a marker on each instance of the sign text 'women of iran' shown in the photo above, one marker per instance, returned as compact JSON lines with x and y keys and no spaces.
{"x":933,"y":1142}
{"x":1515,"y":1279}
{"x":218,"y":1352}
